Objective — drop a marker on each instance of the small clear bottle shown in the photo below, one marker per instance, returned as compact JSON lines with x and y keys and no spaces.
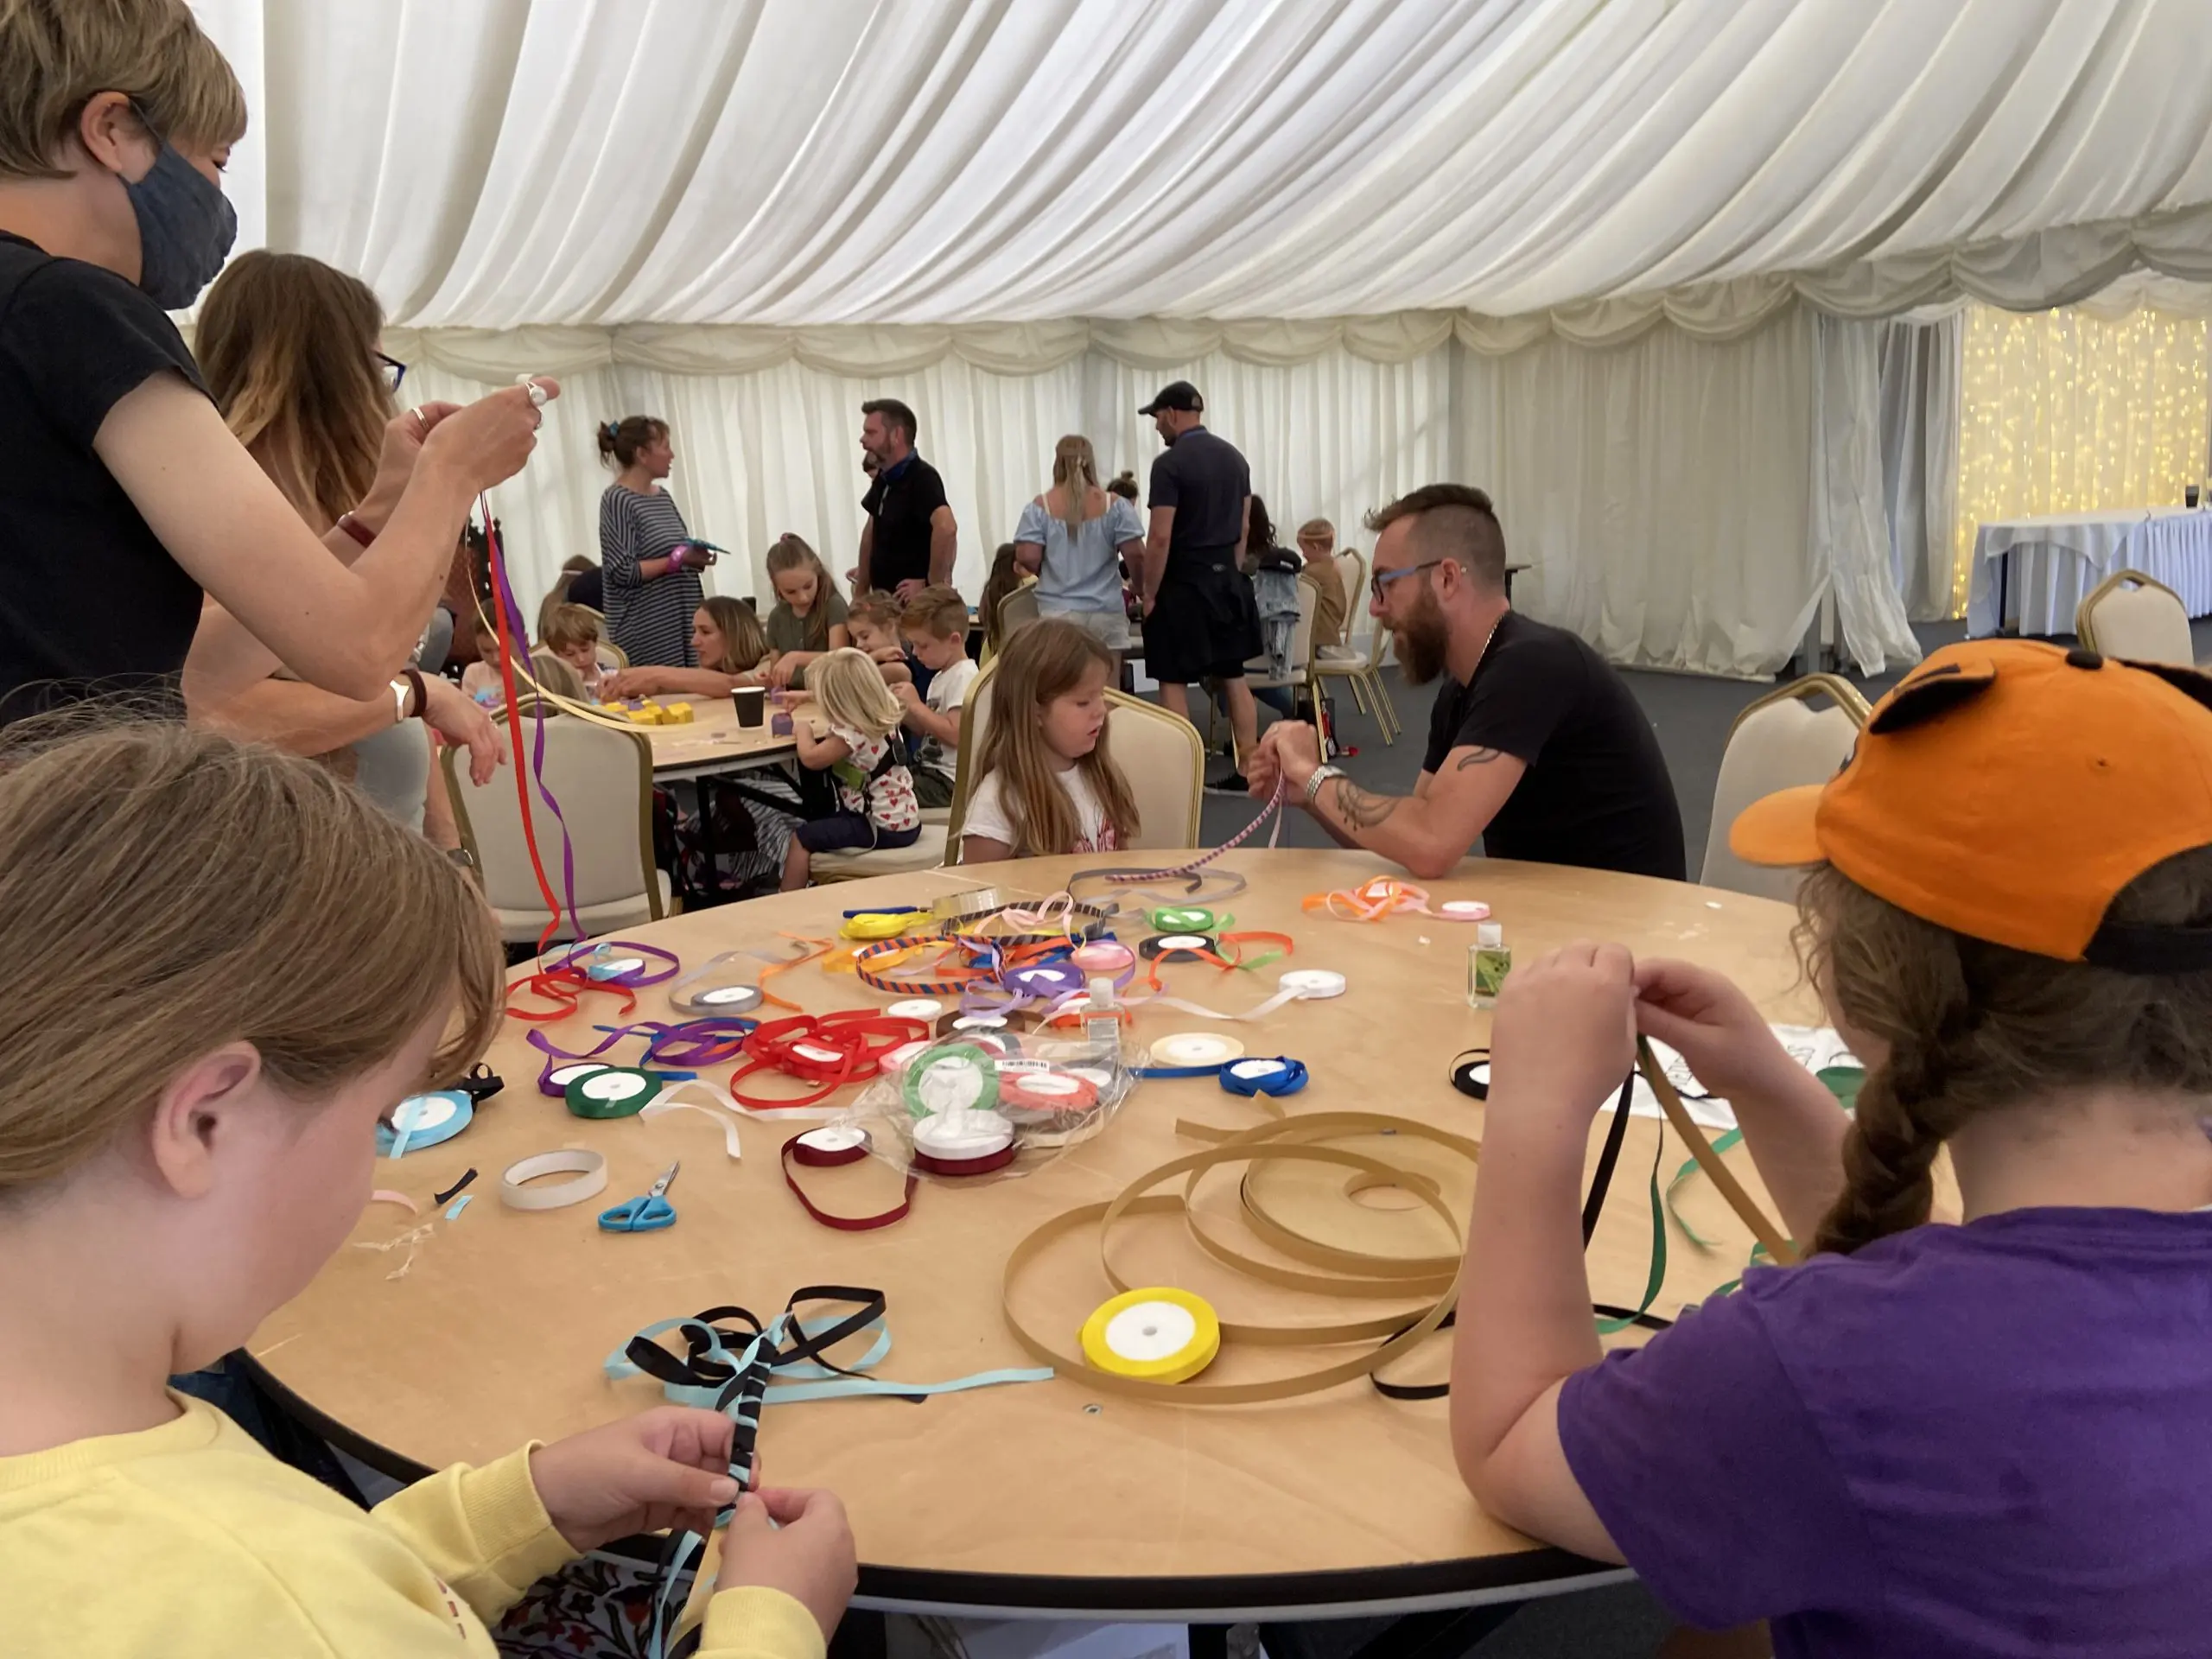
{"x":1102,"y":1024}
{"x":1488,"y":960}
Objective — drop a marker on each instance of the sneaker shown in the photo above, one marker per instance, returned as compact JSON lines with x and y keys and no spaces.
{"x":1234,"y":784}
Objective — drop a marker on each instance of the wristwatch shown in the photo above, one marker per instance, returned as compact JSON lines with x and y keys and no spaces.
{"x":1321,"y":775}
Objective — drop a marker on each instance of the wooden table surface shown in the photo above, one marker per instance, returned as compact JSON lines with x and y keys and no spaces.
{"x":713,"y":741}
{"x":1046,"y":1495}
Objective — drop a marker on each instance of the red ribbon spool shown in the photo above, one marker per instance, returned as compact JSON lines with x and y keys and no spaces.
{"x":797,"y":1150}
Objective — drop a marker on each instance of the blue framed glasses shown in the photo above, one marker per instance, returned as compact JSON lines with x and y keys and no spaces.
{"x":1383,"y":579}
{"x":394,"y":370}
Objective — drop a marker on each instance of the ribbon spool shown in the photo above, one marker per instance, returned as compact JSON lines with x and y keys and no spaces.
{"x":830,"y":1052}
{"x":1188,"y":919}
{"x":618,"y":961}
{"x":1042,"y":1094}
{"x":1196,"y":1048}
{"x":611,"y":1092}
{"x":1159,"y":1335}
{"x":423,"y":1121}
{"x":966,"y":1142}
{"x":952,"y":1078}
{"x":1312,"y":984}
{"x":587,"y":1169}
{"x":883,"y":925}
{"x":920,"y":1008}
{"x":1275,"y":1077}
{"x":833,"y":1146}
{"x":1181,"y":947}
{"x":722,"y":999}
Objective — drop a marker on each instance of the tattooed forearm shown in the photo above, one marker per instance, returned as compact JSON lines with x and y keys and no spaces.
{"x":1476,"y":758}
{"x":1360,"y":810}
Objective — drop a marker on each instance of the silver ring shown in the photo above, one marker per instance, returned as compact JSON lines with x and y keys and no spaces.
{"x":416,"y":414}
{"x":537,"y":393}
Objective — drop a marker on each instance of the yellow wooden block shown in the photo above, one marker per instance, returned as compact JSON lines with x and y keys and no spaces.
{"x":679,"y":714}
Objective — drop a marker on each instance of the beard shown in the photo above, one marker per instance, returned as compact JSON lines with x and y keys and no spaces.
{"x":1422,"y":640}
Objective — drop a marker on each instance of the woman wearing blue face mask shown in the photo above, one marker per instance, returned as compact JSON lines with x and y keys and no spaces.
{"x":126,"y":497}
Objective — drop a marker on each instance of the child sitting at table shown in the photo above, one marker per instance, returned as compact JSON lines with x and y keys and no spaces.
{"x":1981,"y":1439}
{"x":873,"y":625}
{"x":935,"y":623}
{"x":809,"y":617}
{"x":862,"y":750}
{"x":1044,"y":783}
{"x":188,"y":1113}
{"x":572,"y":634}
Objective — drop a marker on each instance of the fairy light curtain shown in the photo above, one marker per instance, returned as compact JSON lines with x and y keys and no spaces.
{"x":2070,"y":411}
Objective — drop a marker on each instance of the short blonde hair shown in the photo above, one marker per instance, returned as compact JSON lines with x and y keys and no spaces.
{"x":940,"y":611}
{"x":223,"y":893}
{"x":569,"y":625}
{"x":61,"y":53}
{"x":850,"y":692}
{"x":1317,"y":530}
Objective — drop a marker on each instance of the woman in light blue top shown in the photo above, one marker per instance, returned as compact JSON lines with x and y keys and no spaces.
{"x":1073,"y":538}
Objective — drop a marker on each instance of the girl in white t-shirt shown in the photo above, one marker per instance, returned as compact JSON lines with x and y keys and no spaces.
{"x":1046,"y":783}
{"x":862,"y":753}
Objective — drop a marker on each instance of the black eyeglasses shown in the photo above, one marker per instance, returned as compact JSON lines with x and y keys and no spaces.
{"x":1383,"y":579}
{"x":394,"y":370}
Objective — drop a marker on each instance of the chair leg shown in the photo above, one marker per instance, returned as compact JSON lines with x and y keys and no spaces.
{"x":1358,"y":691}
{"x":1389,"y":709}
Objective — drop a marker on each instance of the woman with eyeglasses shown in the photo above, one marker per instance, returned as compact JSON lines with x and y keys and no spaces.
{"x":126,"y":499}
{"x":289,"y":347}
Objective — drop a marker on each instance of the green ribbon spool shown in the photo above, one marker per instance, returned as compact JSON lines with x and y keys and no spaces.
{"x":985,"y":1066}
{"x":1178,"y":918}
{"x":620,"y":1091}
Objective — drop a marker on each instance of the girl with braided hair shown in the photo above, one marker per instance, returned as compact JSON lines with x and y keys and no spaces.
{"x":1985,"y":1438}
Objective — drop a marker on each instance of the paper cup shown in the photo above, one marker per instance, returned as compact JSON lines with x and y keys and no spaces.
{"x":752,"y":702}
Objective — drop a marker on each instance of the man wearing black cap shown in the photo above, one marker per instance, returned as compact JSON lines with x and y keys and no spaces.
{"x":1200,"y":620}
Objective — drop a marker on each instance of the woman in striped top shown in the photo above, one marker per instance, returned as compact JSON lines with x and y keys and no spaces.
{"x":652,"y":564}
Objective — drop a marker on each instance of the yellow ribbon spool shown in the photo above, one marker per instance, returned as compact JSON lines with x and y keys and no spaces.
{"x":877,"y":924}
{"x":1160,"y":1334}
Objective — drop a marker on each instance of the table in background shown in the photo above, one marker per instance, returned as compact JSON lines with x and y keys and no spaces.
{"x":1042,"y":1497}
{"x":713,"y":742}
{"x":2032,"y":573}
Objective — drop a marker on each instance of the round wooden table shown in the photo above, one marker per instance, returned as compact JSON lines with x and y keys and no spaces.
{"x":713,"y":742}
{"x":1044,"y":1496}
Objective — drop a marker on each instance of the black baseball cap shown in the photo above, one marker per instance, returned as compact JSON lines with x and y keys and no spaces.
{"x":1177,"y":394}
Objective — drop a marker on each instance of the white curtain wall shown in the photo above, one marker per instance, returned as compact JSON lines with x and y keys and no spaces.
{"x":1682,"y":499}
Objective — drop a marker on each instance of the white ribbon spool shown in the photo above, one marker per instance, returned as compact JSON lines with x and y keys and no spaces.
{"x":1311,"y":984}
{"x":920,"y":1008}
{"x":1189,"y":1048}
{"x":834,"y":1137}
{"x":960,"y":1134}
{"x":729,"y":999}
{"x":949,"y":1086}
{"x":588,"y":1168}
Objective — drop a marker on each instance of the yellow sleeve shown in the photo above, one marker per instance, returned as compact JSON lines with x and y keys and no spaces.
{"x":483,"y":1531}
{"x":752,"y":1623}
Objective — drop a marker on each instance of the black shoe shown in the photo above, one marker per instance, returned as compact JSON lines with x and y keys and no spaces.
{"x":1234,"y":784}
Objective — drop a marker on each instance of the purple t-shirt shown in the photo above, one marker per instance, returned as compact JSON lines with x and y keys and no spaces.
{"x":1993,"y":1439}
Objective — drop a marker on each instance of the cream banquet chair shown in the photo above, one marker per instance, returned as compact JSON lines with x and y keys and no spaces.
{"x":1160,"y":753}
{"x":1363,"y":674}
{"x":2137,"y":619}
{"x":1017,"y":610}
{"x":603,"y":779}
{"x":1779,"y":741}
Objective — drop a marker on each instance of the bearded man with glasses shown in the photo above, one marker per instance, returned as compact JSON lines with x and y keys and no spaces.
{"x":1536,"y":744}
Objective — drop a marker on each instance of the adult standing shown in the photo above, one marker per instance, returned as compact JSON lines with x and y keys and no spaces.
{"x":648,"y":561}
{"x":1200,"y":620}
{"x":909,"y":540}
{"x":1535,"y":743}
{"x":125,"y":498}
{"x":289,"y":348}
{"x":1072,"y":538}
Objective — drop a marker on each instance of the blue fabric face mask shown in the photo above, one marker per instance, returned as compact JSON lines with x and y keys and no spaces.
{"x":186,"y":226}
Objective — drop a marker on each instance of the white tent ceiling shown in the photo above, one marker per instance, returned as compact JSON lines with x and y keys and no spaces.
{"x":496,"y":164}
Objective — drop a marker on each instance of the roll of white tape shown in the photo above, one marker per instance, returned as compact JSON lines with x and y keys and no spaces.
{"x":588,"y":1169}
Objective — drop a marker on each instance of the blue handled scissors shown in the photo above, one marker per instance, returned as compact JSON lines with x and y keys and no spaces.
{"x":646,"y":1215}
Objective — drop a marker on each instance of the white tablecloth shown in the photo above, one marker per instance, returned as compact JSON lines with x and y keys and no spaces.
{"x":2055,"y":562}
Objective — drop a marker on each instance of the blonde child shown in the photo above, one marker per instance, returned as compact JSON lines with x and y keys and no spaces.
{"x":935,"y":623}
{"x":1981,"y":1439}
{"x":1316,"y":545}
{"x":873,"y":624}
{"x":809,"y":617}
{"x":726,"y":639}
{"x":187,"y":1117}
{"x":1045,"y":782}
{"x":572,"y":634}
{"x":861,"y":751}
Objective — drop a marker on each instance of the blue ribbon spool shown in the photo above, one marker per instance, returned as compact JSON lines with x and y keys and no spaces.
{"x":1261,"y":1076}
{"x":425,"y":1121}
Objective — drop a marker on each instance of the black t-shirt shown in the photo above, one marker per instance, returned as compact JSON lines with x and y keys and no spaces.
{"x":589,"y":589}
{"x":1206,"y":480}
{"x":90,"y":600}
{"x":1595,"y":793}
{"x":900,"y":502}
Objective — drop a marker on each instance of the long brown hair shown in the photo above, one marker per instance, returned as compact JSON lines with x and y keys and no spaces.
{"x":224,"y":893}
{"x":1042,"y":662}
{"x":1974,"y":1028}
{"x":743,"y":644}
{"x":288,"y":346}
{"x":1006,"y":576}
{"x":791,"y":552}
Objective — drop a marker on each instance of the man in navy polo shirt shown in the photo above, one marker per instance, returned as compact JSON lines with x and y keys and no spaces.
{"x":1200,"y":620}
{"x":909,"y":540}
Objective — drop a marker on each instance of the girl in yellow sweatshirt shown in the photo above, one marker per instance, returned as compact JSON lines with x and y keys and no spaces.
{"x":218,"y":966}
